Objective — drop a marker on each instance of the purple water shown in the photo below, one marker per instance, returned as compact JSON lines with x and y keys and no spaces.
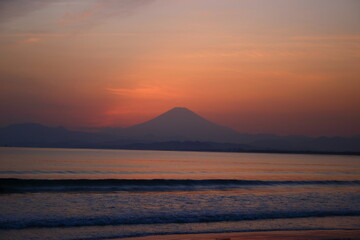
{"x":103,"y":194}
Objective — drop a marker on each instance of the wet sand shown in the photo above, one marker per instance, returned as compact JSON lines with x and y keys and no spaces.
{"x":269,"y":235}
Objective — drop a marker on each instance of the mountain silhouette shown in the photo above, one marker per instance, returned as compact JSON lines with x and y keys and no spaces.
{"x":181,"y":123}
{"x":176,"y":129}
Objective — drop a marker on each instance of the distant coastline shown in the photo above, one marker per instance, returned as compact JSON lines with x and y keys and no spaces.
{"x":193,"y":150}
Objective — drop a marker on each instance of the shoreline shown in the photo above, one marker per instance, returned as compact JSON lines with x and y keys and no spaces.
{"x":262,"y":235}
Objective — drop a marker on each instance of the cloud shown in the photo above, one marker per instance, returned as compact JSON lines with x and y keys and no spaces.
{"x":147,"y":93}
{"x":32,"y":40}
{"x":90,"y":12}
{"x":61,"y":35}
{"x":328,"y":37}
{"x":102,"y":9}
{"x":10,"y":9}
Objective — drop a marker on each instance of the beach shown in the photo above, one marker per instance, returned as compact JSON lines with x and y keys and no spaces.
{"x":267,"y":235}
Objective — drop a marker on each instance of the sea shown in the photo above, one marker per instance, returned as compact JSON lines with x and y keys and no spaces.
{"x":112,"y":194}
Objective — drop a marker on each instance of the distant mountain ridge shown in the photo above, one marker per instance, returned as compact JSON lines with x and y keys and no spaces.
{"x":182,"y":124}
{"x":176,"y":129}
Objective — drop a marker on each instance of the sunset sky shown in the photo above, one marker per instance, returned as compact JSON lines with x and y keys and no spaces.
{"x":258,"y":66}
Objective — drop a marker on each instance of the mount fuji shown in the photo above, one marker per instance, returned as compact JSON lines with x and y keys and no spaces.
{"x":176,"y":129}
{"x":182,"y":124}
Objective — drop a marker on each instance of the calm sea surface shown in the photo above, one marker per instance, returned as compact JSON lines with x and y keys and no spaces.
{"x":104,"y":194}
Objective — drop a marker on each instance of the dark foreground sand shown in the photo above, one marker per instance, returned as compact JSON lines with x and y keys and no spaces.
{"x":281,"y":235}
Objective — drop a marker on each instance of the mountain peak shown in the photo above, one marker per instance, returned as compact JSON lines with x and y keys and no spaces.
{"x":180,"y":109}
{"x":175,"y":118}
{"x":180,"y":123}
{"x":181,"y":114}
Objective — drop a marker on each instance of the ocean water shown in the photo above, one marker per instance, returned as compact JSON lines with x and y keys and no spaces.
{"x":105,"y":194}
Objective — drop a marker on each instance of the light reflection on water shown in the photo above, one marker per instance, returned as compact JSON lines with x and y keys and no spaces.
{"x":98,"y":209}
{"x":124,"y":164}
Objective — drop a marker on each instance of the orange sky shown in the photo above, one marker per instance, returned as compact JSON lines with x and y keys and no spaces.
{"x":258,"y":66}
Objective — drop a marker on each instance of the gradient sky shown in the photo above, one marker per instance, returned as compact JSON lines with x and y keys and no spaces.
{"x":258,"y":66}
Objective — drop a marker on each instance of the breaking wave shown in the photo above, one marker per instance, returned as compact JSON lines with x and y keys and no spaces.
{"x":164,"y":219}
{"x":12,"y":185}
